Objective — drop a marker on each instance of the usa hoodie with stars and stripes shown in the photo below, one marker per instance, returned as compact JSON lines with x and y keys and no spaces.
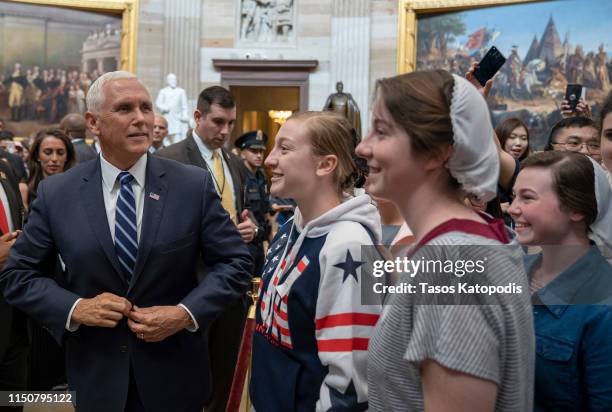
{"x":312,"y":332}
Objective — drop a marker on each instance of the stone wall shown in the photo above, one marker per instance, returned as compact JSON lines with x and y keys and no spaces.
{"x":383,"y":40}
{"x":353,"y":40}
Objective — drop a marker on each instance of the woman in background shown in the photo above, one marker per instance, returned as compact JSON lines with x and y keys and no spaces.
{"x":52,"y":152}
{"x":513,"y":136}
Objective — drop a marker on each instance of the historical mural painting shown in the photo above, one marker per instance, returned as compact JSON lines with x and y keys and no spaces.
{"x":49,"y":56}
{"x":547,"y":45}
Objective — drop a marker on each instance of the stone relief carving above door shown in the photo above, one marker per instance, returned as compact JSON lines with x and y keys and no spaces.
{"x":267,"y":22}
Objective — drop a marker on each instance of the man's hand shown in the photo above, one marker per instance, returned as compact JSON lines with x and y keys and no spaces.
{"x":156,"y":323}
{"x":105,"y":310}
{"x":582,"y":109}
{"x":6,"y":241}
{"x":470,"y":77}
{"x":246,"y":227}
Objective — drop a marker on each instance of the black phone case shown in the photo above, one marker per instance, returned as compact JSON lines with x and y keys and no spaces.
{"x":489,"y":65}
{"x":574,"y":90}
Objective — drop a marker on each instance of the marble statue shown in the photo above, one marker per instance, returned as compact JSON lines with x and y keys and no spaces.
{"x":171,"y":103}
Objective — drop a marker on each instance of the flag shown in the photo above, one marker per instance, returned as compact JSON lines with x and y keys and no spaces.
{"x":476,"y":39}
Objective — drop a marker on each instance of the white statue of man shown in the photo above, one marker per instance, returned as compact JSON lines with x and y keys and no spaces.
{"x":172,"y":104}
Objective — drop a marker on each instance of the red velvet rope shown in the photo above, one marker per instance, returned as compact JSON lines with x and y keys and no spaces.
{"x":242,"y":367}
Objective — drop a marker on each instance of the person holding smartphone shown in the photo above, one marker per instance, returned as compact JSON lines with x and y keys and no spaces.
{"x":577,"y":107}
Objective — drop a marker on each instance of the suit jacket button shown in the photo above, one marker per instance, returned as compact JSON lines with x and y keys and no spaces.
{"x":123,"y":348}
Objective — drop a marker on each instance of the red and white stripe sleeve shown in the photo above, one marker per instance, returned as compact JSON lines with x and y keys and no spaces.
{"x":343,"y":325}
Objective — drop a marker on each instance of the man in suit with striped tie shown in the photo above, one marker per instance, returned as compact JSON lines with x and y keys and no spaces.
{"x":129,"y":228}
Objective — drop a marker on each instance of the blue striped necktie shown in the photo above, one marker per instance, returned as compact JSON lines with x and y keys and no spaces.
{"x":126,"y":234}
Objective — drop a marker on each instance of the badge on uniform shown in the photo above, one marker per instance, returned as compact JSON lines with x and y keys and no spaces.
{"x":153,"y":196}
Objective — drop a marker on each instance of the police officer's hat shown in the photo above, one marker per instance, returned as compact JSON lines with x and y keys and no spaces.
{"x":252,"y":140}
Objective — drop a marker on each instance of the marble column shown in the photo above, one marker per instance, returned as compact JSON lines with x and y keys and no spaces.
{"x":350,"y":52}
{"x":181,"y":54}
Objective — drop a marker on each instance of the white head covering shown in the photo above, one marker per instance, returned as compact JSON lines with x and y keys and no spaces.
{"x":475,"y":161}
{"x":601,"y":228}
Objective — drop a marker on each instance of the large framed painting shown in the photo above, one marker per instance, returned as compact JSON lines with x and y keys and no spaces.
{"x":547,"y":44}
{"x":52,"y":50}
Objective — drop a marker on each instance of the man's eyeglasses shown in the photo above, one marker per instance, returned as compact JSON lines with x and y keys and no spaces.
{"x":576,"y":146}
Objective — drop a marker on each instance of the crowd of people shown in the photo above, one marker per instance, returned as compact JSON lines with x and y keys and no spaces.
{"x":133,"y":260}
{"x":45,"y":94}
{"x":535,"y":77}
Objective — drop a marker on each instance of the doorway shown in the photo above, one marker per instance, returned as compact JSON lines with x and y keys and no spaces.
{"x":263,"y":108}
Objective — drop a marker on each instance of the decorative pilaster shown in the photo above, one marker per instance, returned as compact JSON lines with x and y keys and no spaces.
{"x":350,"y":52}
{"x":181,"y":54}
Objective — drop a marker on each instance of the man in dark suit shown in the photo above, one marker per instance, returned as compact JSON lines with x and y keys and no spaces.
{"x":160,"y":131}
{"x":215,"y":117}
{"x":75,"y":127}
{"x":14,"y":335}
{"x":129,"y":228}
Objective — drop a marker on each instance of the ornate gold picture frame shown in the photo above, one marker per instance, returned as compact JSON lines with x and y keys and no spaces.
{"x":127,"y":9}
{"x":545,"y":44}
{"x":408,"y":15}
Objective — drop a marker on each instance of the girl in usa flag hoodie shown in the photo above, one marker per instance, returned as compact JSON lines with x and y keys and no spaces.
{"x":312,"y":332}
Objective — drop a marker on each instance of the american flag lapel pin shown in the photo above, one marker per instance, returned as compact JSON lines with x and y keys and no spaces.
{"x":153,"y":196}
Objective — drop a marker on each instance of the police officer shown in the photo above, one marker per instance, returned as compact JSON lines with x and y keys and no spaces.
{"x":252,"y":146}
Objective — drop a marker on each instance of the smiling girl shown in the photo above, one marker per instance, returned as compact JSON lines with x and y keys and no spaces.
{"x":311,"y":335}
{"x":561,"y":199}
{"x":429,"y":146}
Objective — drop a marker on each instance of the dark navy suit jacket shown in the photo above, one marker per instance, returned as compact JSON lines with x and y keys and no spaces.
{"x":182,"y":217}
{"x":7,"y":314}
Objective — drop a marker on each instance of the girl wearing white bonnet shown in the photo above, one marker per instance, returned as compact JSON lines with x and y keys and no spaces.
{"x":562,"y":204}
{"x":430,"y":144}
{"x":605,"y":128}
